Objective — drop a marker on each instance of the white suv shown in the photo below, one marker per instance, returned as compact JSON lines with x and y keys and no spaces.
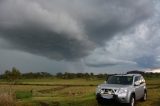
{"x":125,"y":88}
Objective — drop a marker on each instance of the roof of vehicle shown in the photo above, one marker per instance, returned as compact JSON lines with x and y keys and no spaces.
{"x":128,"y":75}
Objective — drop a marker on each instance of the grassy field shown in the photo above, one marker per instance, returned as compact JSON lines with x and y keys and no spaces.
{"x":74,"y":92}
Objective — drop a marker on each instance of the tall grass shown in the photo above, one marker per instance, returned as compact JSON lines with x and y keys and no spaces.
{"x":6,"y":100}
{"x":74,"y":92}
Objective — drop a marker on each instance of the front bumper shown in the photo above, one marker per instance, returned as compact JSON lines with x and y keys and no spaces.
{"x":111,"y":98}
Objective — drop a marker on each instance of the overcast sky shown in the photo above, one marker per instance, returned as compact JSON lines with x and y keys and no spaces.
{"x":100,"y":36}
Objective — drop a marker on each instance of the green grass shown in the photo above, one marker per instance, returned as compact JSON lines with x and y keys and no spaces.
{"x":74,"y":92}
{"x":56,"y":81}
{"x":23,"y":94}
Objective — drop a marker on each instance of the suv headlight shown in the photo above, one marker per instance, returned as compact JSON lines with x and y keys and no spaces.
{"x":98,"y":90}
{"x":122,"y":91}
{"x":102,"y":91}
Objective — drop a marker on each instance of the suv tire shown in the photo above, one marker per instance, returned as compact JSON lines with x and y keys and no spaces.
{"x":100,"y":101}
{"x":144,"y":98}
{"x":132,"y":101}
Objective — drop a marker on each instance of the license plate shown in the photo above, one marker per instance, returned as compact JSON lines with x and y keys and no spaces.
{"x":108,"y":96}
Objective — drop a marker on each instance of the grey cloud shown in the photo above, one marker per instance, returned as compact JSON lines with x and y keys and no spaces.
{"x":146,"y":61}
{"x":102,"y":58}
{"x":116,"y":16}
{"x":60,"y":29}
{"x":108,"y":62}
{"x":139,"y":45}
{"x":27,"y":62}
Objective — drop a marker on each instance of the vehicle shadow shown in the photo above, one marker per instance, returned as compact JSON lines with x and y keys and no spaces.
{"x":111,"y":104}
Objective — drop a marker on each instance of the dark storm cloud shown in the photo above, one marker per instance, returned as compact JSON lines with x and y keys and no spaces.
{"x":60,"y":29}
{"x":45,"y":43}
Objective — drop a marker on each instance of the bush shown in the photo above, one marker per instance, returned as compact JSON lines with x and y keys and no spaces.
{"x":23,"y":94}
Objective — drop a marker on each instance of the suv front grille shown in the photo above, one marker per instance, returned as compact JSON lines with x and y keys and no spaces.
{"x":109,"y":91}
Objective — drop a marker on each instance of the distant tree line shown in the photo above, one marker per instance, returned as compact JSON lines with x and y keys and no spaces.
{"x":11,"y":75}
{"x":67,"y":75}
{"x":146,"y":75}
{"x":36,"y":75}
{"x":151,"y":75}
{"x":15,"y":74}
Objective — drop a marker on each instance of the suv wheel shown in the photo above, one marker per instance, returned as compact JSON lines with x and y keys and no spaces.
{"x":132,"y":101}
{"x":100,"y":101}
{"x":144,"y":98}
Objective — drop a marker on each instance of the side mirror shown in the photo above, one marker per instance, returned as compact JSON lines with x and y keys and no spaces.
{"x":137,"y":83}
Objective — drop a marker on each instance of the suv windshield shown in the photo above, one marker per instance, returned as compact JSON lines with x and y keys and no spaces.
{"x":124,"y":80}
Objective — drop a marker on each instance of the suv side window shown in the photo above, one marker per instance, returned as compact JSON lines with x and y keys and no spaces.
{"x":138,"y":79}
{"x":142,"y":80}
